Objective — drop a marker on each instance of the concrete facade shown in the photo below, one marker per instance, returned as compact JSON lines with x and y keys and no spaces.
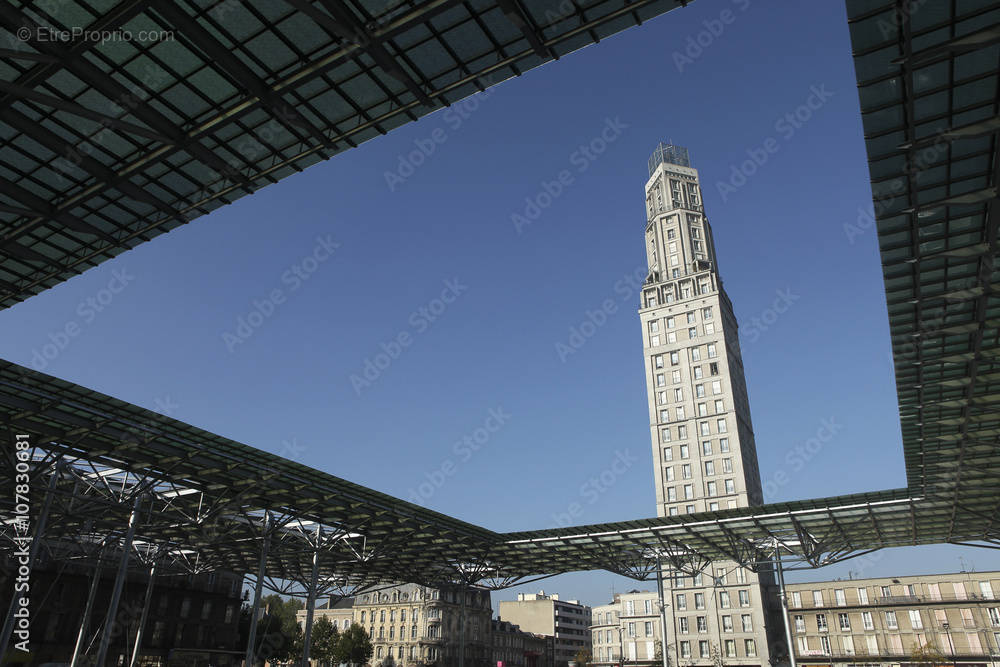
{"x":705,"y":457}
{"x":566,"y":621}
{"x":951,"y":619}
{"x":629,"y":626}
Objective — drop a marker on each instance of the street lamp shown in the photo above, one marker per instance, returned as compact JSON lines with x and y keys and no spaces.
{"x":951,"y":646}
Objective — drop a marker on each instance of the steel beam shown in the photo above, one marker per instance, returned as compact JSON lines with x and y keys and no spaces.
{"x":116,"y":593}
{"x":311,"y":600}
{"x":258,"y":590}
{"x":87,"y":611}
{"x":784,"y":602}
{"x":143,"y":615}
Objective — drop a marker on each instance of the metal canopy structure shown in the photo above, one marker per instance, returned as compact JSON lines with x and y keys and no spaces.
{"x":114,"y":474}
{"x":108,"y":143}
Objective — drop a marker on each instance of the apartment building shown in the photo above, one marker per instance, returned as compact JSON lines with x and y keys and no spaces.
{"x":951,"y":619}
{"x":566,"y":621}
{"x":705,"y":457}
{"x":627,"y":630}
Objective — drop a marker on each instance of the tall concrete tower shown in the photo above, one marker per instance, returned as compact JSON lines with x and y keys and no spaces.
{"x":699,"y":415}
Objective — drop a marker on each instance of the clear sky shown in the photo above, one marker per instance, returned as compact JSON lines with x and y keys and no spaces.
{"x":474,"y":308}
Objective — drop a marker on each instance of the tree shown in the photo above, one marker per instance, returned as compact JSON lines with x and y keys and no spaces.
{"x":324,"y":640}
{"x":276,"y":628}
{"x":928,"y":654}
{"x":354,"y":646}
{"x":582,"y":658}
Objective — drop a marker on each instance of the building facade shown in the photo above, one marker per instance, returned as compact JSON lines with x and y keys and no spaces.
{"x":513,"y":647}
{"x":411,"y":624}
{"x":945,"y":619}
{"x":704,"y":454}
{"x":193,"y":620}
{"x":629,"y":627}
{"x":566,"y":621}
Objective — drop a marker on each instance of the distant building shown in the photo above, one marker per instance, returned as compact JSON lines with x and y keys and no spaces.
{"x":339,"y":613}
{"x":513,"y":647}
{"x":630,"y":624}
{"x":418,"y":625}
{"x":950,"y":619}
{"x":566,"y":621}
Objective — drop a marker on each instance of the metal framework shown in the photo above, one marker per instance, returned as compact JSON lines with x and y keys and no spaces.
{"x":125,"y":486}
{"x":107,"y":145}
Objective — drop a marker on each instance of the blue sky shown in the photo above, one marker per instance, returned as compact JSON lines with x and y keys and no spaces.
{"x":472,"y":410}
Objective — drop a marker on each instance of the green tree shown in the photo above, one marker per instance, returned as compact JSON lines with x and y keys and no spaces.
{"x":354,"y":646}
{"x":276,"y":628}
{"x":324,"y":641}
{"x":582,"y":657}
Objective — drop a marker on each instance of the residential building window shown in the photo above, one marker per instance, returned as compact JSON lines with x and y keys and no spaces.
{"x":967,"y":618}
{"x":686,"y":471}
{"x":723,"y":445}
{"x":986,"y":590}
{"x":724,"y":599}
{"x":648,"y":627}
{"x":994,"y":613}
{"x":706,"y":447}
{"x":915,"y":622}
{"x":688,"y":491}
{"x":712,"y":490}
{"x":685,"y":649}
{"x":702,"y":410}
{"x":730,"y":648}
{"x":703,"y":649}
{"x":713,"y":368}
{"x":658,"y":361}
{"x":890,"y":620}
{"x":866,"y":620}
{"x":669,"y":473}
{"x":679,"y":394}
{"x":730,"y":486}
{"x":680,"y":412}
{"x":684,"y":448}
{"x":845,"y":622}
{"x":661,"y":380}
{"x":744,"y":598}
{"x":841,"y":598}
{"x":681,"y":601}
{"x":672,"y":494}
{"x":631,"y":629}
{"x":706,"y":313}
{"x":727,"y":465}
{"x":800,"y":623}
{"x":691,"y":319}
{"x":721,"y":425}
{"x":751,"y":647}
{"x":716,"y":387}
{"x":712,"y":353}
{"x":670,"y":323}
{"x":697,"y":373}
{"x":648,"y":606}
{"x":699,"y":599}
{"x":674,"y":358}
{"x":704,"y":428}
{"x":817,"y":598}
{"x":675,"y":376}
{"x":699,"y":390}
{"x":727,"y":623}
{"x":709,"y":467}
{"x":821,"y":623}
{"x":863,"y":596}
{"x":695,"y":351}
{"x":824,"y":643}
{"x":796,"y":599}
{"x":683,"y":624}
{"x":702,"y":624}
